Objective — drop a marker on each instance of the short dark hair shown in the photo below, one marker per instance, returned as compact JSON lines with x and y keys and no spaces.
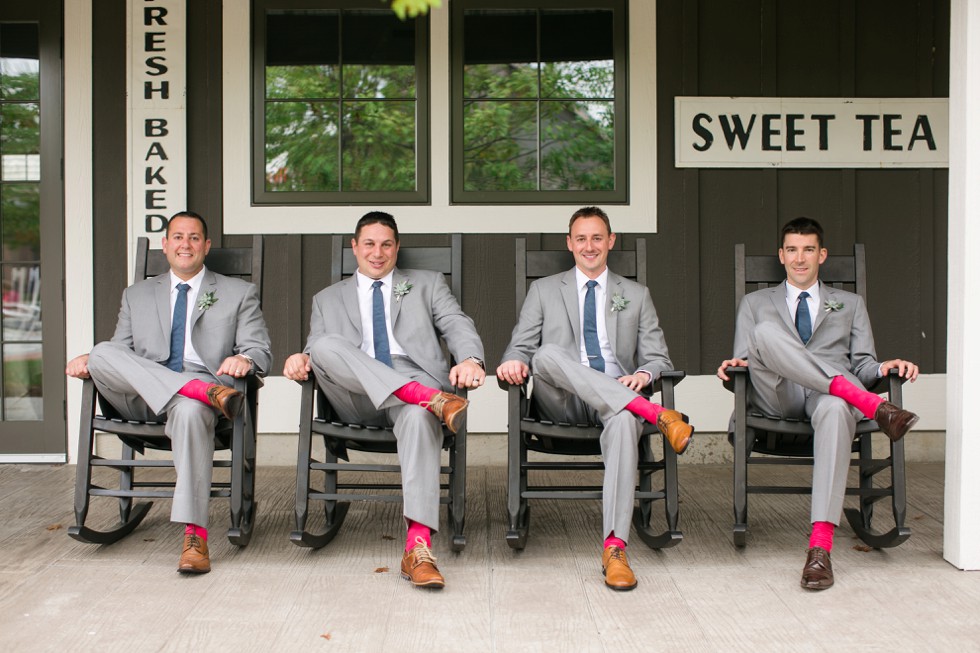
{"x":376,"y":217}
{"x":193,"y":216}
{"x":590,"y":212}
{"x":803,"y":226}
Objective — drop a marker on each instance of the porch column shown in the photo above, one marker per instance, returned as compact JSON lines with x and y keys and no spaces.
{"x":961,"y":536}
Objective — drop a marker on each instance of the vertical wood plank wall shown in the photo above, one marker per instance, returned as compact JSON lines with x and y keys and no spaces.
{"x":842,"y":48}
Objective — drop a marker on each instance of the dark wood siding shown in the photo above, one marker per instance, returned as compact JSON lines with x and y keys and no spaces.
{"x":871,"y":48}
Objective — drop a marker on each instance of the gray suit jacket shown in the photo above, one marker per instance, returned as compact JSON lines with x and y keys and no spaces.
{"x":232,"y":325}
{"x":841,"y":338}
{"x":428,"y":311}
{"x":551,"y":315}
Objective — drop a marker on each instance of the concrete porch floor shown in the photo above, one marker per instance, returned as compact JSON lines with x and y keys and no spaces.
{"x":702,"y":595}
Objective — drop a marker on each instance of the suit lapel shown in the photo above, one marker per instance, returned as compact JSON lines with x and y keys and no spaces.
{"x":348,"y":293}
{"x":569,"y":294}
{"x":778,"y":297}
{"x":827,"y":293}
{"x":209,"y":284}
{"x":162,"y":301}
{"x":614,"y":286}
{"x":396,"y":278}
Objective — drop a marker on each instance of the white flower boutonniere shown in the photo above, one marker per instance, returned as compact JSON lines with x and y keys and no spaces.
{"x":619,"y":303}
{"x":831,"y":305}
{"x":206,"y":301}
{"x":401,"y":289}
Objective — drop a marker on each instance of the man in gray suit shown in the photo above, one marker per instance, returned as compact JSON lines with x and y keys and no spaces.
{"x":151,"y":370}
{"x":811,"y":354}
{"x":374,"y":348}
{"x":594,"y":343}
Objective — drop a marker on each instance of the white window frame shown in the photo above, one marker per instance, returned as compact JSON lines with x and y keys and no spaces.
{"x":242,"y":217}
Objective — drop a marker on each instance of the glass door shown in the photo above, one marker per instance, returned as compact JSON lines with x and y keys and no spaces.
{"x":32,"y":384}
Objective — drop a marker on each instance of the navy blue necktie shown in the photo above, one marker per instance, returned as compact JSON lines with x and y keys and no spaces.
{"x":591,"y":331}
{"x":803,"y":326}
{"x":382,"y":351}
{"x":178,"y":325}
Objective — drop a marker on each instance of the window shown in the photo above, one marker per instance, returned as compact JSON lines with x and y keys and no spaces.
{"x":340,"y":104}
{"x":539,"y":116}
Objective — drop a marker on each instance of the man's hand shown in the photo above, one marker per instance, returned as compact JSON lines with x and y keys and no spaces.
{"x":905,"y":369}
{"x":513,"y":372}
{"x":733,"y":362}
{"x":236,"y":366}
{"x":635,"y":382}
{"x":297,"y":367}
{"x":467,"y":374}
{"x":78,"y":367}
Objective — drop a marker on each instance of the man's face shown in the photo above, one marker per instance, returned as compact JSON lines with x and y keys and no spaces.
{"x":802,"y":255}
{"x":185,"y":246}
{"x":590,"y":242}
{"x":375,"y":250}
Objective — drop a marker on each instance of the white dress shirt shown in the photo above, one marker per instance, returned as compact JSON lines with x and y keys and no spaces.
{"x":612,"y":367}
{"x":812,"y":302}
{"x":195,"y":283}
{"x":365,"y":300}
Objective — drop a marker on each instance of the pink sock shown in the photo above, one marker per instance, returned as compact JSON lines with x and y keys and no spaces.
{"x":645,"y":409}
{"x":612,"y":540}
{"x":193,"y":529}
{"x":196,"y":389}
{"x":415,"y":530}
{"x":864,"y":401}
{"x":822,"y":535}
{"x":415,"y":393}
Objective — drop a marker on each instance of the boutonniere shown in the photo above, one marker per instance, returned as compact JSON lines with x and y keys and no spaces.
{"x":619,"y":303}
{"x":207,"y":301}
{"x":831,"y":305}
{"x":401,"y":289}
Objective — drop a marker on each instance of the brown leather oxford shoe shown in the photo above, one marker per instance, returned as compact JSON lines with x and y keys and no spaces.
{"x":228,"y":400}
{"x":616,"y":569}
{"x":449,"y":408}
{"x":675,"y":428}
{"x":894,"y":421}
{"x":419,"y":567}
{"x":818,"y":574}
{"x":195,"y":558}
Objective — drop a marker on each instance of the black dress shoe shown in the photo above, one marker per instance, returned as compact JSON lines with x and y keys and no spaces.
{"x":818,"y":574}
{"x":894,"y":421}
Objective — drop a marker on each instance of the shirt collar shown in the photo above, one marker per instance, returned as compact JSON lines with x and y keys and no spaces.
{"x":194,"y":282}
{"x":793,"y":293}
{"x":364,"y":281}
{"x":581,"y":279}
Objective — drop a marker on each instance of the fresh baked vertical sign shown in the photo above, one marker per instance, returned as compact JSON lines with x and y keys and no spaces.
{"x":157,"y":116}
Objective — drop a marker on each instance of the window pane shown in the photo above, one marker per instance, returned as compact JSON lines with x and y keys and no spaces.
{"x":301,"y":146}
{"x":577,"y":146}
{"x":500,"y":146}
{"x":302,"y":54}
{"x":19,"y":64}
{"x":495,"y":66}
{"x":379,"y":55}
{"x":20,"y":213}
{"x":379,"y":146}
{"x":577,"y":68}
{"x":22,"y":381}
{"x":20,"y":142}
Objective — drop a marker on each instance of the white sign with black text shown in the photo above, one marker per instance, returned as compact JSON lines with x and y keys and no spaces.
{"x":157,"y":116}
{"x":759,"y":132}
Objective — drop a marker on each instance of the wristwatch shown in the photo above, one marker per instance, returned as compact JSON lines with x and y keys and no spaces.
{"x":249,"y":359}
{"x":478,"y":361}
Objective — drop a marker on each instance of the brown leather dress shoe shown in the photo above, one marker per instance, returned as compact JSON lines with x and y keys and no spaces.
{"x":818,"y":574}
{"x":419,"y":566}
{"x":675,"y":428}
{"x":616,"y":569}
{"x":449,"y":408}
{"x":228,"y":400}
{"x":894,"y":421}
{"x":194,"y":559}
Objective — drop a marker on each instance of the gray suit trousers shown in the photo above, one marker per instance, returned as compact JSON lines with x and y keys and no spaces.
{"x":141,"y":389}
{"x":360,"y":390}
{"x":565,"y":390}
{"x":789,"y":381}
